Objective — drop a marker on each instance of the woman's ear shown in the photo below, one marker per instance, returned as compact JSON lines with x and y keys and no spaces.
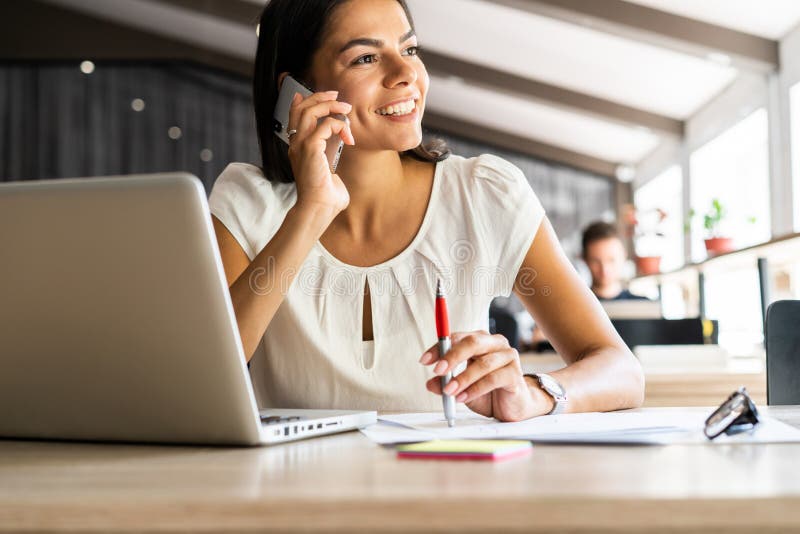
{"x":281,"y":77}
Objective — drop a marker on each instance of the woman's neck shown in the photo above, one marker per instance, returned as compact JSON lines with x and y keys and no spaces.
{"x":375,"y":181}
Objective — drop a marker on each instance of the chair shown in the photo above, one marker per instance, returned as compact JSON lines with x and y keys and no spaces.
{"x":635,"y":332}
{"x":502,"y":322}
{"x":782,"y":340}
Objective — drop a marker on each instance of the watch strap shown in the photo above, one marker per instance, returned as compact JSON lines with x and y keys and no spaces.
{"x":560,"y":399}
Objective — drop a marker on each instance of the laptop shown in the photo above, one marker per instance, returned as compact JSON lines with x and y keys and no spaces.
{"x":116,"y":322}
{"x":632,"y":309}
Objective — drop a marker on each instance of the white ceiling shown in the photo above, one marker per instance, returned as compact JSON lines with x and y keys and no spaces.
{"x":544,"y":49}
{"x":571,"y":56}
{"x":551,"y":125}
{"x":771,"y":19}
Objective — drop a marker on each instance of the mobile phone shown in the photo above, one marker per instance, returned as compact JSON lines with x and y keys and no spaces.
{"x":289,"y":87}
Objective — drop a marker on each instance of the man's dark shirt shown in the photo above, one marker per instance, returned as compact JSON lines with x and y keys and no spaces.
{"x":625,"y":295}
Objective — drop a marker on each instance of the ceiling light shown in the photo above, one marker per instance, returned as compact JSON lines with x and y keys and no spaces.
{"x":87,"y":67}
{"x":625,"y":173}
{"x":174,"y":133}
{"x":206,"y":155}
{"x":137,"y":104}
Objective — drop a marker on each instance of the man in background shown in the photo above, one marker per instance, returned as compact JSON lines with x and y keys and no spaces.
{"x":605,"y":255}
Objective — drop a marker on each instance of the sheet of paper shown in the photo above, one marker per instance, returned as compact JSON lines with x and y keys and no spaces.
{"x":647,"y":426}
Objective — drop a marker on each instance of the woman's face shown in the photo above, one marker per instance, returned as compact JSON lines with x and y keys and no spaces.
{"x":369,"y":56}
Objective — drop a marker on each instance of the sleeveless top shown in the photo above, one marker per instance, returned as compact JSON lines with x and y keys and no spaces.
{"x":481,"y":219}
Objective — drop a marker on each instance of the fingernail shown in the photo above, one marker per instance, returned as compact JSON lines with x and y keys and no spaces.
{"x":349,"y":106}
{"x":440,"y":368}
{"x":426,"y":358}
{"x":450,"y":388}
{"x":334,"y":93}
{"x":461,"y":396}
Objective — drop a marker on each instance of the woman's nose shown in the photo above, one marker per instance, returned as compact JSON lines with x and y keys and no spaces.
{"x":399,"y":71}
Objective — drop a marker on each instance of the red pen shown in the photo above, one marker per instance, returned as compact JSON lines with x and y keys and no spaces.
{"x":443,"y":333}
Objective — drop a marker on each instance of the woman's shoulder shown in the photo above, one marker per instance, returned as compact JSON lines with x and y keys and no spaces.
{"x":252,"y":177}
{"x":488,"y":176}
{"x":250,"y":206}
{"x":244,"y":183}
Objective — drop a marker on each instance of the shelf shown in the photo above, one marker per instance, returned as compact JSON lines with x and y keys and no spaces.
{"x":780,"y":251}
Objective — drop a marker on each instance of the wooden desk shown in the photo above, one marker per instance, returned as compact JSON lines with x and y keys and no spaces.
{"x":681,"y":387}
{"x":346,"y":483}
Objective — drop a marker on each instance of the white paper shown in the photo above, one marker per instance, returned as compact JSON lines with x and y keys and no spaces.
{"x":654,"y":426}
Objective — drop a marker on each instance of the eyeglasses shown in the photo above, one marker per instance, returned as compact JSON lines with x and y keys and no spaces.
{"x":737,"y":414}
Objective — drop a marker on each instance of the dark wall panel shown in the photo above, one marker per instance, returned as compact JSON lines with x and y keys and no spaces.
{"x":56,"y":121}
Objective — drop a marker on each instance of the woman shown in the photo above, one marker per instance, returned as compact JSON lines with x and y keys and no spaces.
{"x":332,"y":276}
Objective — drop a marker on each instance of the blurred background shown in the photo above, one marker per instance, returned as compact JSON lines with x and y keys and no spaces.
{"x":671,"y":119}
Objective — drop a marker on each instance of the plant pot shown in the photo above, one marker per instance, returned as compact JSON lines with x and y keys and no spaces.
{"x":719,"y":245}
{"x":648,"y":265}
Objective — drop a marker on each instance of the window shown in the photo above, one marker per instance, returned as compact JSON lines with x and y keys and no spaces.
{"x":794,"y":103}
{"x":733,"y":168}
{"x":733,"y":298}
{"x":664,"y":192}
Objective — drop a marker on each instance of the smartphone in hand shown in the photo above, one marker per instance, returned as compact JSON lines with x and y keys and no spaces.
{"x":289,"y":87}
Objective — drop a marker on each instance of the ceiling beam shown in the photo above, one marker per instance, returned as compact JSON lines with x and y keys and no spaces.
{"x":496,"y":80}
{"x":84,"y":32}
{"x":244,"y":12}
{"x":652,"y":26}
{"x":505,"y":140}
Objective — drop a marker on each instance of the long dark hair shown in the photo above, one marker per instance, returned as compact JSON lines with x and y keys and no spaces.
{"x":290,"y":32}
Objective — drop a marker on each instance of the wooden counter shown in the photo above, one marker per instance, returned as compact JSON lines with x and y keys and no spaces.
{"x":346,"y":483}
{"x":679,"y":387}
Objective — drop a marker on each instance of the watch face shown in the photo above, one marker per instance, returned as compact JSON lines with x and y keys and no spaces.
{"x":549,"y":383}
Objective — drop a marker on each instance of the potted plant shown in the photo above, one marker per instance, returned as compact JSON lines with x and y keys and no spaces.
{"x":716,"y":242}
{"x":648,"y":239}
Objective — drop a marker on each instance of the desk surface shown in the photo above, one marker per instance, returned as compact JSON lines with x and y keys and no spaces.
{"x":346,"y":483}
{"x":679,"y":386}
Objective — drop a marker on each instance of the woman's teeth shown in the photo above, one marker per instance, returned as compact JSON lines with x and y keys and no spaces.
{"x":403,"y":108}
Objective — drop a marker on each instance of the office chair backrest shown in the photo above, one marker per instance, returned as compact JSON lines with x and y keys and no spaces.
{"x":502,"y":322}
{"x":782,"y":338}
{"x":635,"y":332}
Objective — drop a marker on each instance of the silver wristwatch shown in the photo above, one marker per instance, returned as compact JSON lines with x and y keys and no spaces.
{"x":552,"y":387}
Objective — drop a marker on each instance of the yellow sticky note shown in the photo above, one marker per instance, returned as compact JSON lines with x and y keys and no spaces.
{"x":473,"y":449}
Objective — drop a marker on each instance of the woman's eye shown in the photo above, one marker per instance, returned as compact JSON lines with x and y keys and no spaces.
{"x":363,"y":60}
{"x":372,"y":58}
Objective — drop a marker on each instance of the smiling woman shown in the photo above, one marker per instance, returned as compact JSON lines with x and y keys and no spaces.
{"x":283,"y":50}
{"x":332,"y":275}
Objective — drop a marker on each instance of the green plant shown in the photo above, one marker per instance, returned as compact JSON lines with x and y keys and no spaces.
{"x":712,"y":219}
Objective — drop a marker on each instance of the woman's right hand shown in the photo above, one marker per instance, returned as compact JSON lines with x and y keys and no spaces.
{"x":317,"y":188}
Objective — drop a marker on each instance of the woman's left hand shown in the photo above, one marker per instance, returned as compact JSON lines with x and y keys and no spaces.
{"x":492,"y":383}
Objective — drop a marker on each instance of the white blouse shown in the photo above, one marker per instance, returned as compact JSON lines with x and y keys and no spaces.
{"x":480,"y":222}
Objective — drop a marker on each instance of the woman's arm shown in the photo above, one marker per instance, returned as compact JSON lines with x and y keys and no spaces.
{"x":257,"y":288}
{"x":601,"y":374}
